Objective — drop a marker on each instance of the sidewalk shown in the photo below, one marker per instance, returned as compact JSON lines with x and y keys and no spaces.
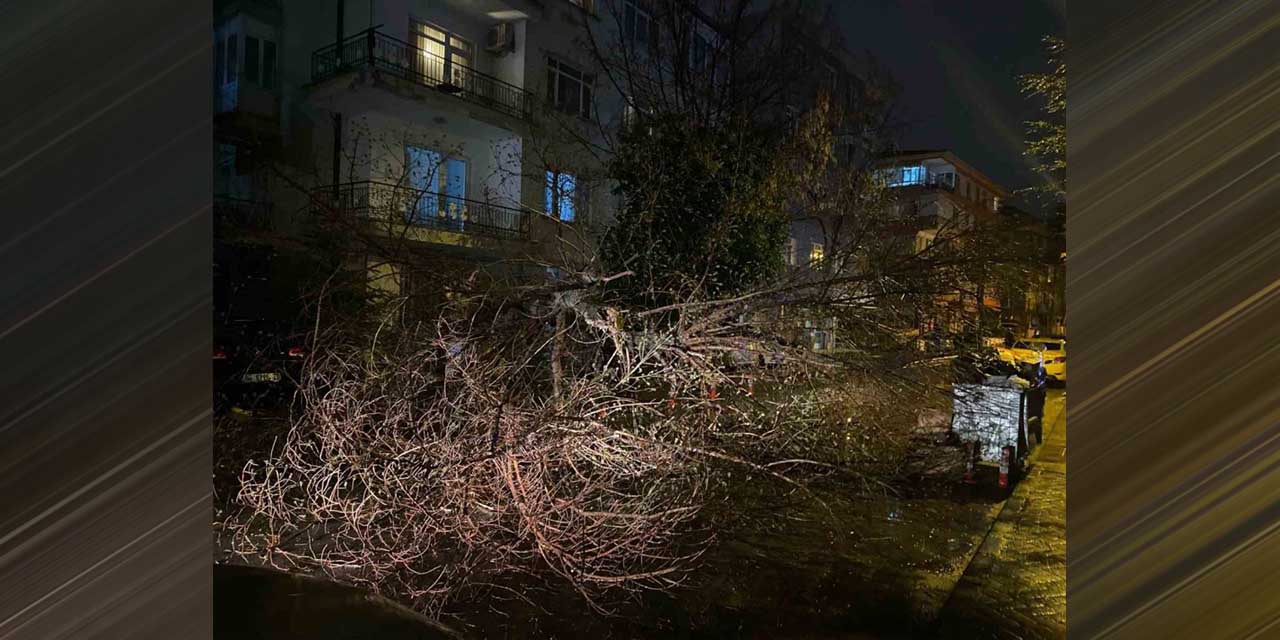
{"x":1016,"y":585}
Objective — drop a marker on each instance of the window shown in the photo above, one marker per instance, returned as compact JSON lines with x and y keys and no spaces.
{"x":445,"y":56}
{"x":219,"y":62}
{"x":251,"y":60}
{"x":906,"y":176}
{"x":440,"y":185}
{"x":569,"y":89}
{"x":562,"y":195}
{"x":637,"y":23}
{"x":815,"y":253}
{"x":231,"y":59}
{"x":792,"y":255}
{"x":820,"y":333}
{"x":700,"y":52}
{"x":268,"y":64}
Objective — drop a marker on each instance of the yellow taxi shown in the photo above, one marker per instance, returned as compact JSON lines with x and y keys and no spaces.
{"x":1052,"y":352}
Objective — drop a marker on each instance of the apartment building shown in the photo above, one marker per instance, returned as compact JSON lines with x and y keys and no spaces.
{"x":941,"y":192}
{"x":460,"y":127}
{"x":438,"y":122}
{"x":940,"y":196}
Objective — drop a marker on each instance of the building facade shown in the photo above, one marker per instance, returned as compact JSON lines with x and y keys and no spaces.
{"x":941,"y":197}
{"x":460,"y":128}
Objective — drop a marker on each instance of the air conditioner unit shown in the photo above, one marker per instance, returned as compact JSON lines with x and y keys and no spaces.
{"x":502,"y":39}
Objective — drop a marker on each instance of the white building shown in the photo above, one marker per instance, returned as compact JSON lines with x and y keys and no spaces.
{"x":444,"y":117}
{"x":942,"y":192}
{"x":457,"y":124}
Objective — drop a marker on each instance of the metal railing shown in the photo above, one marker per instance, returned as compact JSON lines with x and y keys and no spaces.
{"x":381,"y":201}
{"x":931,"y":182}
{"x":242,"y":213}
{"x":385,"y":54}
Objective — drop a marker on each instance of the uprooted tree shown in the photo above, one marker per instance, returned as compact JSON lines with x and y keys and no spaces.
{"x":494,"y":423}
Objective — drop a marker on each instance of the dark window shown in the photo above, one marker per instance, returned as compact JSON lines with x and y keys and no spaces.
{"x":701,"y":51}
{"x":219,"y":62}
{"x":232,"y":58}
{"x":251,"y":60}
{"x":637,"y":24}
{"x":569,"y":89}
{"x":268,"y":64}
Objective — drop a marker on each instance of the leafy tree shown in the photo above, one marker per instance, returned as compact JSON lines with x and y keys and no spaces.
{"x":1047,"y":137}
{"x":703,"y":212}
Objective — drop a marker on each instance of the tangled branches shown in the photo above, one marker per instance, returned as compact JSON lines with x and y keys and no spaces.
{"x":456,"y":452}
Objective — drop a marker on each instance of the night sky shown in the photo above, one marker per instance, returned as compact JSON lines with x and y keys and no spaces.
{"x":957,"y":63}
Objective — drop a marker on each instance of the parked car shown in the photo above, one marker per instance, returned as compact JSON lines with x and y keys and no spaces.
{"x":256,"y":364}
{"x":1051,"y":353}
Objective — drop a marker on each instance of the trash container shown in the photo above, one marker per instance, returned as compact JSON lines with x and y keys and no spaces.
{"x":1003,"y":411}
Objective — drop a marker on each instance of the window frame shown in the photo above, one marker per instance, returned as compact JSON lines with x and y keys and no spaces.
{"x":632,"y":12}
{"x":554,"y":198}
{"x":420,"y":29}
{"x":558,"y":71}
{"x":817,"y":253}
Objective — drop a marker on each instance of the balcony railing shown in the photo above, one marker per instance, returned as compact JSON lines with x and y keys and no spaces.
{"x":930,"y":182}
{"x":241,"y":213}
{"x":380,"y":201}
{"x":372,"y":50}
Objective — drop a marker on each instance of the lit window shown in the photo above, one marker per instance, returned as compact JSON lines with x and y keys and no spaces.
{"x":815,"y":253}
{"x":568,"y":89}
{"x":905,"y":176}
{"x":561,"y":193}
{"x":445,"y":56}
{"x":440,"y":183}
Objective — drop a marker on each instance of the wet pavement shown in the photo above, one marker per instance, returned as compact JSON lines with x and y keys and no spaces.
{"x":1016,"y":585}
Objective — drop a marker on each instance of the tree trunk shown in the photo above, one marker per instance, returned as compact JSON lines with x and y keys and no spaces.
{"x":557,"y":352}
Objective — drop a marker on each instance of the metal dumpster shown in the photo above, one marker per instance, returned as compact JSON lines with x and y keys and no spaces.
{"x":1002,"y":411}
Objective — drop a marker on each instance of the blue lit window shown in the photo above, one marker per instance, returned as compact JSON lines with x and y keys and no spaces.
{"x":905,"y":176}
{"x":561,"y":189}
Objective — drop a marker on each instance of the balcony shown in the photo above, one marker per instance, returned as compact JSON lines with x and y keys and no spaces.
{"x":387,"y":55}
{"x":931,"y":181}
{"x":385,"y":202}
